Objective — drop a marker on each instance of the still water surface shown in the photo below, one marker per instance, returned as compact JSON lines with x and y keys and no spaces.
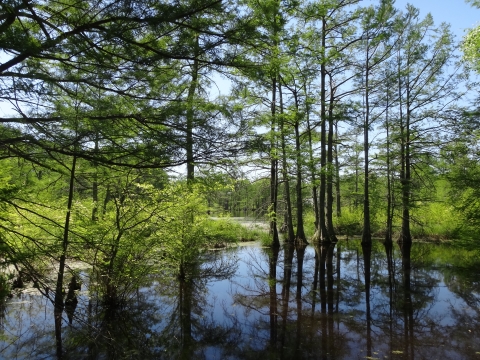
{"x":337,"y":302}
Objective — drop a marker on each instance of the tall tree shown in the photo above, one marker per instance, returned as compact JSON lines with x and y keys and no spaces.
{"x":425,"y":88}
{"x":334,"y":18}
{"x":376,"y":23}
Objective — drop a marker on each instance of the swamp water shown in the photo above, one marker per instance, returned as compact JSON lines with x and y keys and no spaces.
{"x":248,"y":302}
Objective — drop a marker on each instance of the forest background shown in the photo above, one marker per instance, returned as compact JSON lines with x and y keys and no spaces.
{"x":118,"y":150}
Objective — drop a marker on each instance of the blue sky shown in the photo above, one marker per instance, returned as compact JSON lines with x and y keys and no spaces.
{"x":458,"y":13}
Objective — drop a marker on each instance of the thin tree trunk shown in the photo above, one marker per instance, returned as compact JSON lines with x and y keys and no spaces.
{"x":406,"y":183}
{"x":322,"y":233}
{"x":405,"y":236}
{"x":95,"y":184}
{"x":337,"y":176}
{"x":286,"y":181}
{"x":191,"y":113}
{"x":357,"y":174}
{"x":329,"y":210}
{"x":58,"y":301}
{"x":273,"y":140}
{"x":367,"y":235}
{"x":107,"y":198}
{"x":312,"y":168}
{"x":300,"y":236}
{"x":273,"y":170}
{"x":389,"y":230}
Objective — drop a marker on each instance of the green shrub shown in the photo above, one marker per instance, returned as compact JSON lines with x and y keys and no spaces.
{"x":224,"y":230}
{"x":350,"y":223}
{"x":435,"y":220}
{"x":309,"y":223}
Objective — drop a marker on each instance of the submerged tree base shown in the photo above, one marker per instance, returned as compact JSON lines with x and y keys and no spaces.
{"x":317,"y":238}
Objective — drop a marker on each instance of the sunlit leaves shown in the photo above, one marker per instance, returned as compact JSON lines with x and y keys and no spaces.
{"x":471,"y":48}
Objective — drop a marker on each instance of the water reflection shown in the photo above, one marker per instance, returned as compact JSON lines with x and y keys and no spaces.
{"x":337,"y":301}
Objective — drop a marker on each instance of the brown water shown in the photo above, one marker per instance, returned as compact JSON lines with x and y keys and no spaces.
{"x":337,"y":302}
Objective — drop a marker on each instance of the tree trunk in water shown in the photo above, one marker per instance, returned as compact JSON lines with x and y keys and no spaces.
{"x":58,"y":301}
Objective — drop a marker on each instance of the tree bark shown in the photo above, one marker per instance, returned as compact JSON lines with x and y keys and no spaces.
{"x":329,"y":210}
{"x":405,"y":236}
{"x":367,"y":235}
{"x":286,"y":181}
{"x":273,"y":170}
{"x":389,"y":227}
{"x":321,"y":233}
{"x":58,"y":301}
{"x":312,"y":170}
{"x":300,"y":236}
{"x":191,"y":114}
{"x":337,"y":177}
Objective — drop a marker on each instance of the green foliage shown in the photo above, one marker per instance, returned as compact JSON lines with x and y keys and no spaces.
{"x":471,"y":47}
{"x":222,"y":231}
{"x":471,"y":43}
{"x":464,"y":176}
{"x":309,"y":226}
{"x":350,"y":223}
{"x":265,"y":239}
{"x":183,"y":228}
{"x":435,"y":220}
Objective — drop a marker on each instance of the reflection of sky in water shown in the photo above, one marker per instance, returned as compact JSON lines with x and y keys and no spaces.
{"x":443,"y":324}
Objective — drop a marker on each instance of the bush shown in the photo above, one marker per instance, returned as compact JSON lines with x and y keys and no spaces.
{"x":350,"y":223}
{"x":435,"y":220}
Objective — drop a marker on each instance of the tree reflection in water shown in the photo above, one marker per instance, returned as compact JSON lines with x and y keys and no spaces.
{"x":337,"y":301}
